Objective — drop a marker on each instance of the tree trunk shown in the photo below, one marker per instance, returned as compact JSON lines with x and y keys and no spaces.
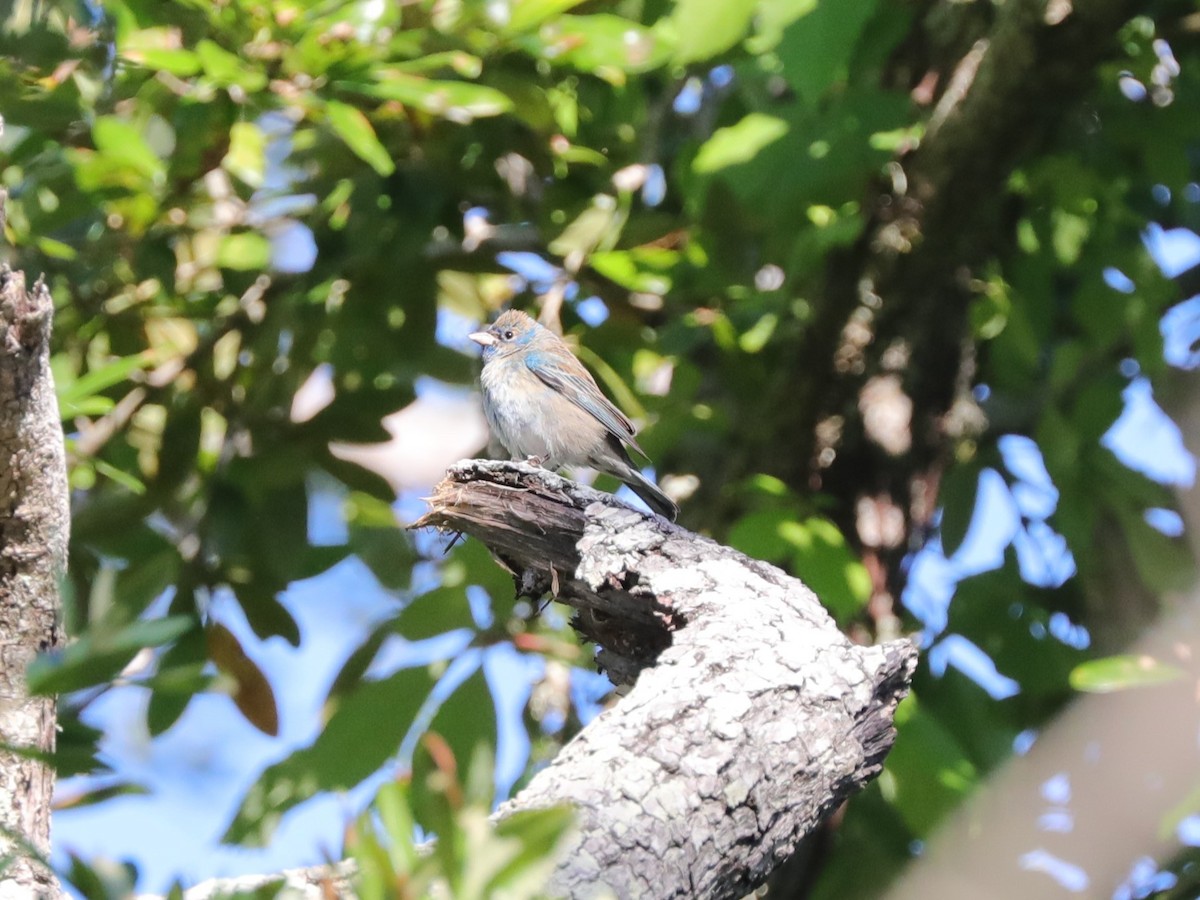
{"x":747,"y":715}
{"x":34,"y":524}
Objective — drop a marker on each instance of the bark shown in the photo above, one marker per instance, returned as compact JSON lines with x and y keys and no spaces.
{"x":34,"y":525}
{"x":747,"y":715}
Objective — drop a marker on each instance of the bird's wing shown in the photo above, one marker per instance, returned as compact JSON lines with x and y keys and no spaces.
{"x":574,"y":382}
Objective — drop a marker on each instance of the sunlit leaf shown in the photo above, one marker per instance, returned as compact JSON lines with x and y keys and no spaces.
{"x":1119,"y":673}
{"x":246,"y":158}
{"x":355,"y":129}
{"x":824,"y":561}
{"x":705,"y":29}
{"x":248,"y":250}
{"x":526,"y":14}
{"x":457,"y":101}
{"x":158,"y":48}
{"x":605,"y":45}
{"x":122,"y":142}
{"x":72,"y":393}
{"x":927,"y":772}
{"x":739,"y":143}
{"x":226,"y":69}
{"x":640,"y":269}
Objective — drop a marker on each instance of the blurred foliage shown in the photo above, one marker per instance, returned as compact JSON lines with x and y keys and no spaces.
{"x":230,"y":198}
{"x":472,"y":858}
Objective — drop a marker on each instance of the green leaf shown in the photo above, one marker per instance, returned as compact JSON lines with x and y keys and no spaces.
{"x":99,"y":795}
{"x":122,"y":142}
{"x":605,"y":45}
{"x":705,"y":29}
{"x":813,"y":550}
{"x":175,"y":665}
{"x":386,"y":550}
{"x":102,"y":879}
{"x":265,"y":614}
{"x":55,"y":249}
{"x":471,"y":563}
{"x":437,"y":612}
{"x":759,"y":534}
{"x":457,"y":101}
{"x":77,"y":748}
{"x":596,"y":225}
{"x":375,"y":873}
{"x":467,"y":65}
{"x":355,"y":667}
{"x":228,"y":70}
{"x":738,"y":143}
{"x":98,"y":656}
{"x":247,"y":250}
{"x":465,"y":721}
{"x":816,"y":49}
{"x":1120,"y":673}
{"x":73,"y":393}
{"x":824,"y":561}
{"x":958,"y":492}
{"x":125,"y":479}
{"x":772,"y":16}
{"x":927,"y":774}
{"x":526,"y":867}
{"x":141,"y":582}
{"x":394,"y":806}
{"x":1164,"y":563}
{"x":1008,"y":620}
{"x":355,"y":130}
{"x":365,"y":730}
{"x":643,"y":269}
{"x":247,"y":156}
{"x":527,"y":14}
{"x":157,"y":48}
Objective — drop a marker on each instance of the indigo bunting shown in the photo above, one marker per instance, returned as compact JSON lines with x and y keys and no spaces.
{"x":542,"y":404}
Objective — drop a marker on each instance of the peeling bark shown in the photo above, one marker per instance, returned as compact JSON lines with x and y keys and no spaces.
{"x":34,"y":524}
{"x":747,"y":716}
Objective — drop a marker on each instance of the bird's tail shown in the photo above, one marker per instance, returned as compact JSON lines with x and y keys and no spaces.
{"x":651,"y":493}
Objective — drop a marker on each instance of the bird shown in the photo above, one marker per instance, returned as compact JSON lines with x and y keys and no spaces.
{"x":544,"y":406}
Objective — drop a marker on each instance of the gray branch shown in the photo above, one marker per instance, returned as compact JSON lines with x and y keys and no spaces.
{"x":34,"y":524}
{"x":747,"y":716}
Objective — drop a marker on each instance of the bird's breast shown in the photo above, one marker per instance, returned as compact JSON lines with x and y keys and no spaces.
{"x":532,"y":419}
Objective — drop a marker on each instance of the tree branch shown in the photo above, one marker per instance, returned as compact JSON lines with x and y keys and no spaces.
{"x":748,"y":716}
{"x":34,"y":524}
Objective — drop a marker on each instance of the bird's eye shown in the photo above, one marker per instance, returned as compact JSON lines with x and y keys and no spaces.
{"x":508,"y":335}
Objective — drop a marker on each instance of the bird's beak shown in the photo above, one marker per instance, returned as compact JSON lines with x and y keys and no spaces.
{"x":483,"y":338}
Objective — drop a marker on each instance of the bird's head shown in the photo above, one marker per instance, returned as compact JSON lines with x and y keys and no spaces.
{"x":511,"y":333}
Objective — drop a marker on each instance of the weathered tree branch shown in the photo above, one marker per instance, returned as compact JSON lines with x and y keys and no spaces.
{"x":34,"y":524}
{"x":748,"y":715}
